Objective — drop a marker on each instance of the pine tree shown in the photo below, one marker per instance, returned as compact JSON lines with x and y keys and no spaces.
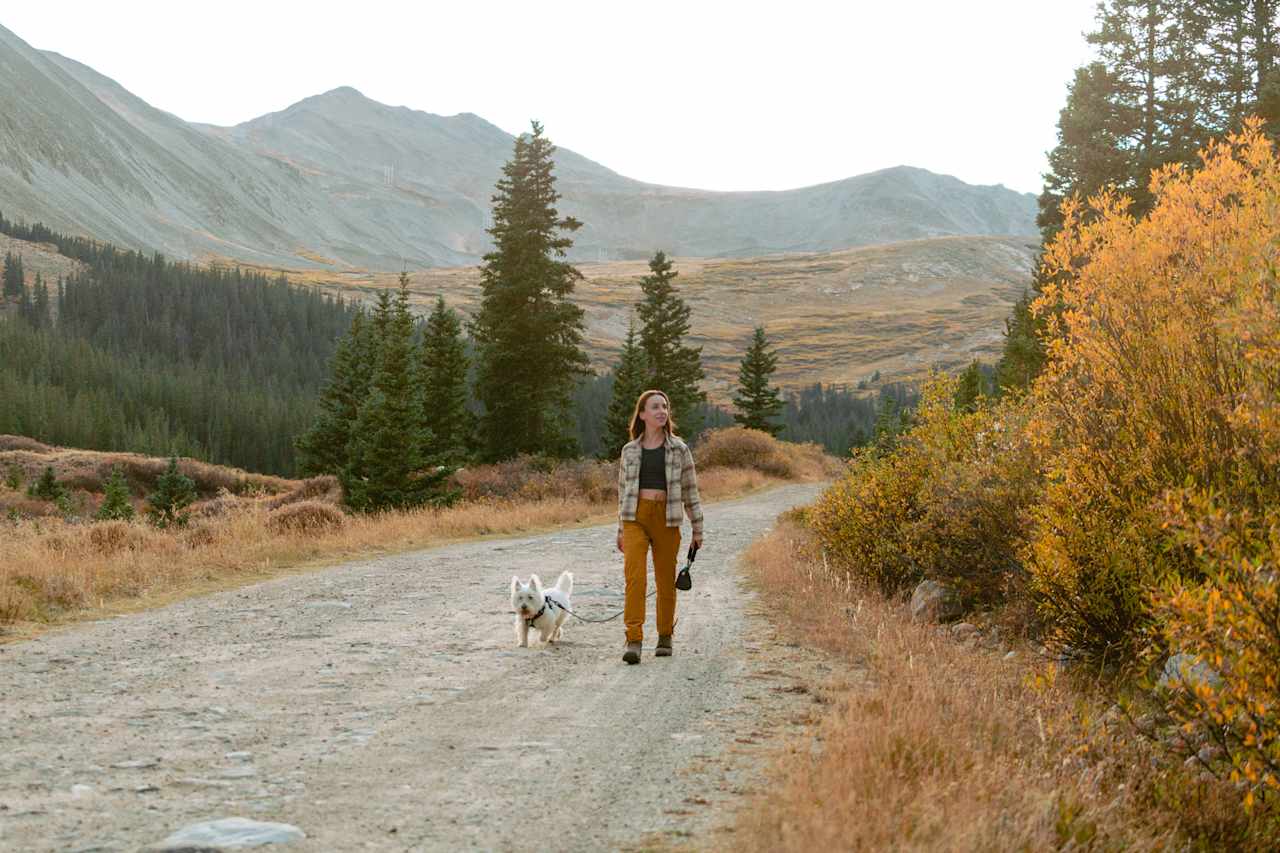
{"x":41,"y":318}
{"x":115,"y":500}
{"x":629,"y":382}
{"x":13,"y":276}
{"x":891,"y":422}
{"x":174,"y":493}
{"x":322,"y":449}
{"x":27,"y":307}
{"x":528,"y":334}
{"x":442,"y":379}
{"x":1134,"y":109}
{"x":389,"y":464}
{"x":970,"y":388}
{"x":673,"y":368}
{"x":47,"y":488}
{"x":1023,"y":355}
{"x":758,"y":404}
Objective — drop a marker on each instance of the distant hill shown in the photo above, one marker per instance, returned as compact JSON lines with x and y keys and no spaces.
{"x":841,"y":317}
{"x":341,"y":182}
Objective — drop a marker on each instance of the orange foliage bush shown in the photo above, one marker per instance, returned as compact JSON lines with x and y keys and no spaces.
{"x":1163,"y":369}
{"x":945,"y":503}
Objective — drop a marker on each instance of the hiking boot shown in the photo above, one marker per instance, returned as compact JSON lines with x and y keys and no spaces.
{"x":664,"y":648}
{"x":632,"y":654}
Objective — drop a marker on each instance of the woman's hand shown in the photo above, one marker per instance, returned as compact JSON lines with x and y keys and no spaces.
{"x":620,"y":541}
{"x":697,"y":542}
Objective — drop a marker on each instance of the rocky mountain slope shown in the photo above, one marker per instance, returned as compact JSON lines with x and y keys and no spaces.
{"x":341,"y":182}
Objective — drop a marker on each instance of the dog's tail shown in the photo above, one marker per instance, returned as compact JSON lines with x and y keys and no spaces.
{"x":564,"y":583}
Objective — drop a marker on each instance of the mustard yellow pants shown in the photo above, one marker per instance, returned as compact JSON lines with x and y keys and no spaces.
{"x":649,"y":529}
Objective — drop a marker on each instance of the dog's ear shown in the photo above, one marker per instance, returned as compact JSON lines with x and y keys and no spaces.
{"x":535,"y":583}
{"x":515,"y":582}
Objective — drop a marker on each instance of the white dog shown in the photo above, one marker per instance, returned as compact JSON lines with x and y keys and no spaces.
{"x":536,"y":608}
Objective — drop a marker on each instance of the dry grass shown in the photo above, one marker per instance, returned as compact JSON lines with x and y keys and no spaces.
{"x":837,"y":317}
{"x":89,"y":470}
{"x":53,"y":570}
{"x":739,"y":447}
{"x":952,"y":747}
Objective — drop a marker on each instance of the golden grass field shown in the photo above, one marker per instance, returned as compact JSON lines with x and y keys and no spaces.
{"x":249,"y":527}
{"x":943,"y":745}
{"x":835,"y":317}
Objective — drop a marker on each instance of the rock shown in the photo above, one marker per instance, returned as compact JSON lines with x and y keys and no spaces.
{"x":231,"y":832}
{"x":1187,"y":670}
{"x":242,"y":772}
{"x":1010,"y":655}
{"x":1210,"y":753}
{"x":78,"y":791}
{"x":138,"y":764}
{"x":963,"y":630}
{"x":933,"y":601}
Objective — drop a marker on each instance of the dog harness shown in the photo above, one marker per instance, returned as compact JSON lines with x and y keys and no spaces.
{"x":546,"y":602}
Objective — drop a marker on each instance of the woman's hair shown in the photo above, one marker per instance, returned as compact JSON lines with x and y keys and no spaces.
{"x":637,"y":425}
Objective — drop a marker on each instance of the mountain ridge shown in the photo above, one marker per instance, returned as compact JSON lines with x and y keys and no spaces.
{"x":340,"y":181}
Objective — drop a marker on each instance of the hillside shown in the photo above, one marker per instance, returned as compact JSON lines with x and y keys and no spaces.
{"x":837,"y":317}
{"x":340,"y":182}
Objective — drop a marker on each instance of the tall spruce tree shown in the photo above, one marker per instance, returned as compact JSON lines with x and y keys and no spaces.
{"x":12,"y":276}
{"x":1134,"y":109}
{"x":389,"y":463}
{"x":673,"y":368}
{"x":322,"y":449}
{"x":41,"y":317}
{"x":527,"y":332}
{"x":758,"y":403}
{"x":629,"y":382}
{"x":442,"y":379}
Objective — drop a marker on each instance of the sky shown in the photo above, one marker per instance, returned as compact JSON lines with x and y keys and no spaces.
{"x":722,"y":96}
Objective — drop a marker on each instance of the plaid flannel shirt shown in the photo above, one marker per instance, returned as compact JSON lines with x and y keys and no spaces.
{"x":682,"y":484}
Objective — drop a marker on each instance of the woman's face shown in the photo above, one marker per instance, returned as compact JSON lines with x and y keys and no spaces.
{"x":655,"y":413}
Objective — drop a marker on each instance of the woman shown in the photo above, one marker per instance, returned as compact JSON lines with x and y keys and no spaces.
{"x":656,"y":486}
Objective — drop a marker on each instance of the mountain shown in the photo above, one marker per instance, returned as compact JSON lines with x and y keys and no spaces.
{"x":338,"y":181}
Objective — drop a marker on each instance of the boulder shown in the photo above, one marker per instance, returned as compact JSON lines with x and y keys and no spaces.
{"x":1187,"y":670}
{"x":230,"y":832}
{"x":935,"y":602}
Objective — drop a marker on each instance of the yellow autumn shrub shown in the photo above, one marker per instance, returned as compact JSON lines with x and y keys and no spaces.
{"x":1161,"y":336}
{"x":1230,"y":624}
{"x":945,"y":503}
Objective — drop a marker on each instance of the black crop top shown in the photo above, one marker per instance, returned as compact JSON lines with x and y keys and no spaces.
{"x":653,"y":468}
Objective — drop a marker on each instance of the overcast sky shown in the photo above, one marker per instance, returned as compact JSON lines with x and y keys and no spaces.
{"x":725,"y":96}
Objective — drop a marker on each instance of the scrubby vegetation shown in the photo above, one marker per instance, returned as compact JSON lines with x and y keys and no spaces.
{"x":943,"y":740}
{"x":1123,"y":510}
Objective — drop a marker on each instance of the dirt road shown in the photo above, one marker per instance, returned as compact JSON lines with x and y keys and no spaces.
{"x":383,"y":705}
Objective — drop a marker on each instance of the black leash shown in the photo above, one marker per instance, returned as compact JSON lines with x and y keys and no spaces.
{"x":690,"y":556}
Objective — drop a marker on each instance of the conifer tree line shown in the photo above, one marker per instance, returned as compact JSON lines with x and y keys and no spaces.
{"x":393,"y":421}
{"x":139,"y":353}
